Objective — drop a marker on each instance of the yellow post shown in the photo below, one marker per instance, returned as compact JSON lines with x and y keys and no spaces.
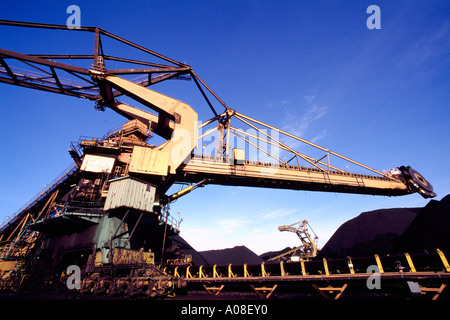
{"x":230,"y":272}
{"x":201,"y":274}
{"x":350,"y":265}
{"x":215,"y":274}
{"x":302,"y":263}
{"x":325,"y":266}
{"x":175,"y":273}
{"x":380,"y":266}
{"x":246,"y":274}
{"x":410,"y":262}
{"x":263,"y":270}
{"x":188,"y":273}
{"x":444,"y":260}
{"x":283,"y":273}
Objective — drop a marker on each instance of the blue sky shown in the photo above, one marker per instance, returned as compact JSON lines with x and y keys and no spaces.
{"x":380,"y":97}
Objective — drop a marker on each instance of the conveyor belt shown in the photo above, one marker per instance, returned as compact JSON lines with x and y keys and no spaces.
{"x":430,"y":271}
{"x":258,"y":174}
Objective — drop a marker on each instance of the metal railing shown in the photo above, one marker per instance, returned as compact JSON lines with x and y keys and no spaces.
{"x":38,"y":197}
{"x":47,"y":79}
{"x":219,"y":159}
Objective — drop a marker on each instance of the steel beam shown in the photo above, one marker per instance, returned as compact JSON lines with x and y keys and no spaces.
{"x":19,"y":56}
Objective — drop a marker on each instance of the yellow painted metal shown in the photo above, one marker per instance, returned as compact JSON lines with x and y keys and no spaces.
{"x":183,"y":136}
{"x":213,"y":290}
{"x":98,"y":259}
{"x":350,"y":265}
{"x":444,"y":260}
{"x":263,"y":270}
{"x":149,"y":161}
{"x":312,"y":144}
{"x":263,"y":290}
{"x":380,"y":266}
{"x":246,"y":274}
{"x":287,"y":174}
{"x":201,"y":274}
{"x":302,"y":263}
{"x":410,"y":262}
{"x":126,"y":256}
{"x":7,"y":266}
{"x":188,"y":273}
{"x":49,"y":201}
{"x":283,"y":273}
{"x":325,"y":266}
{"x":19,"y":226}
{"x":176,"y":274}
{"x":230,"y":272}
{"x":437,"y":290}
{"x":307,"y":238}
{"x":149,"y":257}
{"x":181,"y":193}
{"x":215,"y":273}
{"x":140,"y":115}
{"x":239,"y":155}
{"x":330,"y":289}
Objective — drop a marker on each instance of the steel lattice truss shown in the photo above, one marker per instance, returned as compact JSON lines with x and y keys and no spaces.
{"x":47,"y":72}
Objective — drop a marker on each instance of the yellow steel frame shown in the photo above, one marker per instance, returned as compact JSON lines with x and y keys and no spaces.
{"x":444,"y":260}
{"x":200,"y":273}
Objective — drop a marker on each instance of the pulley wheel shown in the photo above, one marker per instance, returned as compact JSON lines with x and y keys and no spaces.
{"x":417,"y":183}
{"x":420,"y":180}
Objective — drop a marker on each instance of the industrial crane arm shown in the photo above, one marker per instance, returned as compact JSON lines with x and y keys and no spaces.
{"x":308,"y":173}
{"x":288,"y":228}
{"x":132,"y":113}
{"x":308,"y":249}
{"x":176,"y":121}
{"x":258,"y":174}
{"x":174,"y":160}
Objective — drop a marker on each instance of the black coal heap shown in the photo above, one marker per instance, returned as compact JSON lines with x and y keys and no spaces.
{"x":383,"y":231}
{"x":390,"y":231}
{"x":236,"y":255}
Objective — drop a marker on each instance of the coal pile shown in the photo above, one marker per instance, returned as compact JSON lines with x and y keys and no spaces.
{"x":236,"y":255}
{"x":383,"y":232}
{"x":389,"y":231}
{"x":183,"y":248}
{"x":370,"y":232}
{"x":429,"y":230}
